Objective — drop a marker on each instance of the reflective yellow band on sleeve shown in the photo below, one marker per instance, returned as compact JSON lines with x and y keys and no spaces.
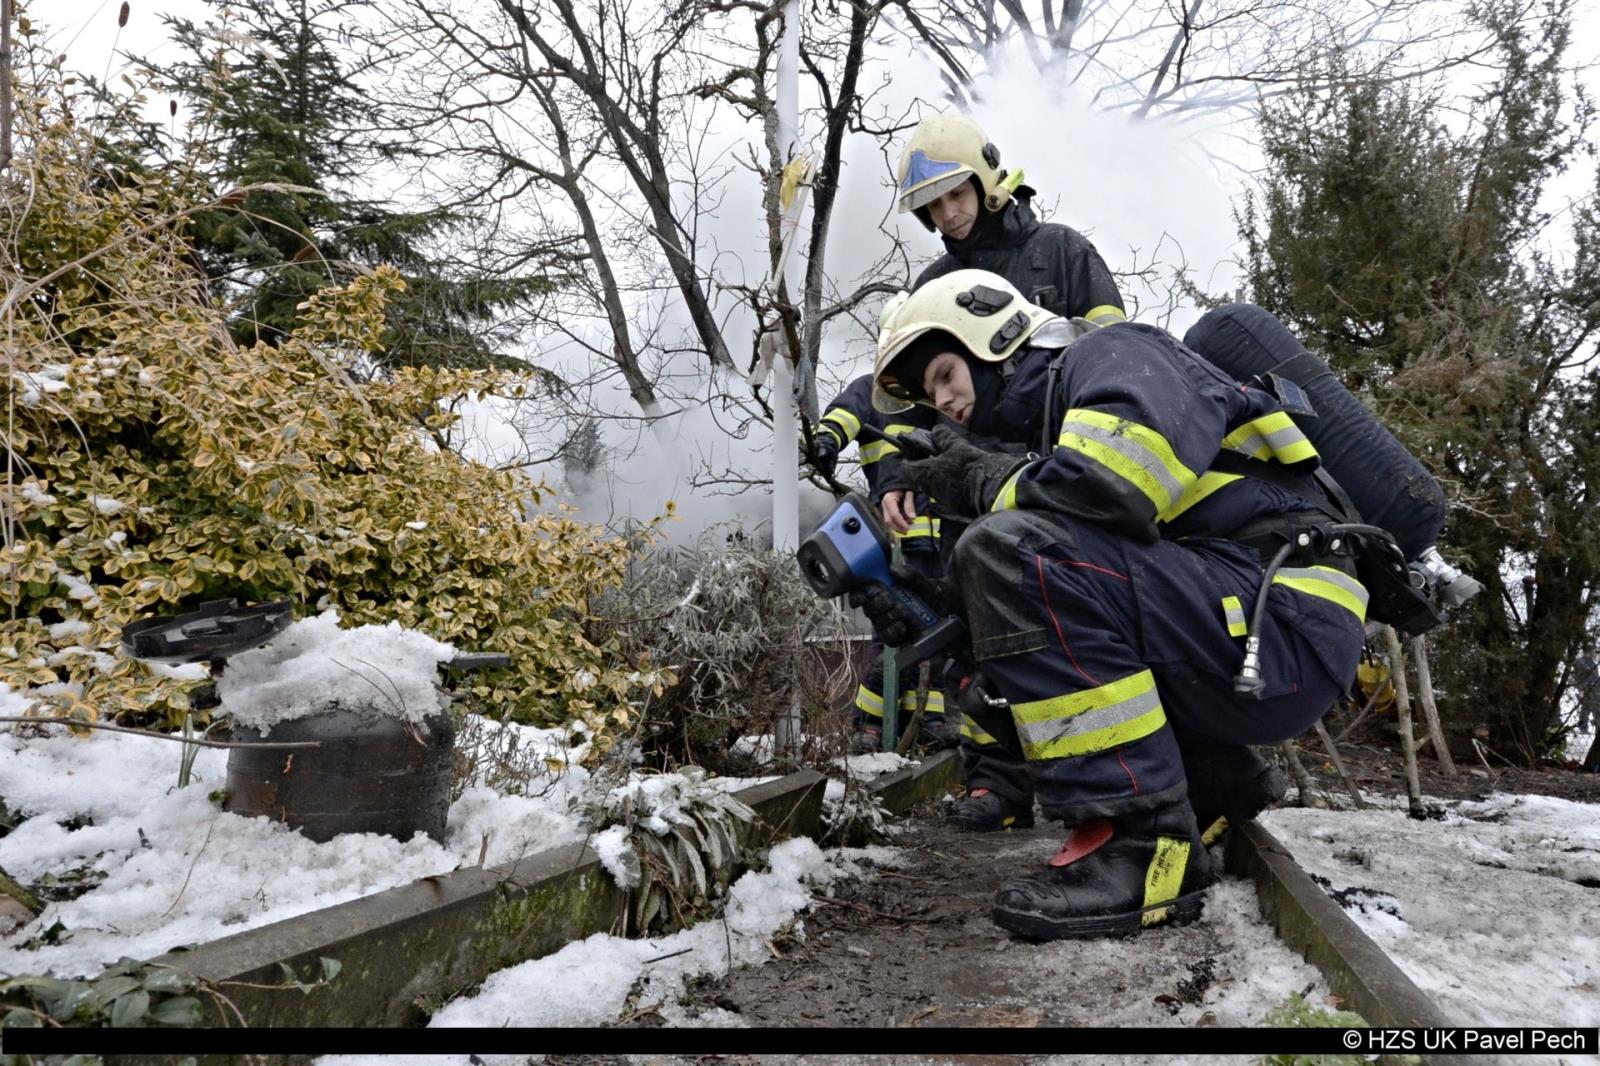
{"x":1135,"y":453}
{"x":1209,"y":482}
{"x":872,"y":452}
{"x":1092,"y":720}
{"x":922,"y":526}
{"x":1233,"y":614}
{"x":974,"y":732}
{"x":1326,"y":583}
{"x":894,"y":429}
{"x":1006,"y":498}
{"x":1272,"y":436}
{"x":1105,"y":315}
{"x":845,"y":421}
{"x":869,"y":702}
{"x":1163,"y":879}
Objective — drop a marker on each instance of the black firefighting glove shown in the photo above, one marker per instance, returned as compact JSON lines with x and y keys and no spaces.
{"x":962,"y":479}
{"x":892,"y":623}
{"x":824,"y":452}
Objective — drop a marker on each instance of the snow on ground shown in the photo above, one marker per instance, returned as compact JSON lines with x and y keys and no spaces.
{"x":174,"y":869}
{"x":1492,"y":911}
{"x":595,"y":981}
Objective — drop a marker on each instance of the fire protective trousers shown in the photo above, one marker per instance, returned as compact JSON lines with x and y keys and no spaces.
{"x":1104,"y":646}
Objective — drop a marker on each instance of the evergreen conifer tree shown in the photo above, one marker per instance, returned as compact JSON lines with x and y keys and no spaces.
{"x":275,"y":87}
{"x":1409,"y":252}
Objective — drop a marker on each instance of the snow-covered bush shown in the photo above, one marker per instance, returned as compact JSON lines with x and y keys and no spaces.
{"x":155,"y":464}
{"x":673,"y":841}
{"x":731,"y":621}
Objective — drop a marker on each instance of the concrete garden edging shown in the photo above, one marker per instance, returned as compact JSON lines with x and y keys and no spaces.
{"x":408,"y":948}
{"x":1307,"y":920}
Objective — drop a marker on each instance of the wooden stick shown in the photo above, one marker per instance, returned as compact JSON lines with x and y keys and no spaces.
{"x":1402,"y":710}
{"x":1309,"y":797}
{"x":161,"y":736}
{"x":1338,"y":764}
{"x":1430,"y":710}
{"x":913,"y":727}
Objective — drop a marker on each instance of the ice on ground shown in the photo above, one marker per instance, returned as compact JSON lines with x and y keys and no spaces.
{"x":171,"y":868}
{"x":1492,"y":911}
{"x":313,"y":664}
{"x":589,"y":982}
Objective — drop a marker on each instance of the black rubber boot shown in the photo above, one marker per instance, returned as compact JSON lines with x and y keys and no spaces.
{"x":868,"y":740}
{"x":983,"y":811}
{"x":937,"y":734}
{"x":1113,"y":877}
{"x":1229,"y":785}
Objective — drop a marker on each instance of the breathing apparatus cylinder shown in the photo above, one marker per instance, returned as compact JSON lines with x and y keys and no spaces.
{"x":1384,"y":480}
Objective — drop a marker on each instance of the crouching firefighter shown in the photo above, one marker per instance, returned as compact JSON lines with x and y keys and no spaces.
{"x":1162,"y":579}
{"x":845,"y":419}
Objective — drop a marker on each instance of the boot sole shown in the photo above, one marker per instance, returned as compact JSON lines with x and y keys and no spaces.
{"x":1182,"y":910}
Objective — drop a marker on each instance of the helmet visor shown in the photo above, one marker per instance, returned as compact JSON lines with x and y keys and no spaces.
{"x":927,"y":179}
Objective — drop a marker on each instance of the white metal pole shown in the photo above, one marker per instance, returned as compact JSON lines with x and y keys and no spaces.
{"x":785,"y":434}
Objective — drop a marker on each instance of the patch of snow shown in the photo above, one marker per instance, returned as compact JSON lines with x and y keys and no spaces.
{"x":180,"y":671}
{"x":588,"y":982}
{"x":106,"y":505}
{"x":873,"y":764}
{"x":49,"y":379}
{"x":35,"y":495}
{"x":78,"y":589}
{"x":72,"y":627}
{"x":611,"y":845}
{"x":173,"y":869}
{"x":418,"y":525}
{"x":314,"y":664}
{"x":1488,"y":911}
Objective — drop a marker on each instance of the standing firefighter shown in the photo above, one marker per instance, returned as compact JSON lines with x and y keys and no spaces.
{"x":1110,"y":582}
{"x":841,"y":423}
{"x":950,"y":178}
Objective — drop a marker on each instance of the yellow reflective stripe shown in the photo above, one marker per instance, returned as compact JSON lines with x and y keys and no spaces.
{"x":1105,"y":314}
{"x":1093,"y":720}
{"x":935,"y":701}
{"x":869,"y":702}
{"x":1133,"y":452}
{"x":845,"y":421}
{"x":1006,"y":498}
{"x":871,"y":453}
{"x":1163,"y":880}
{"x":1326,"y":583}
{"x":974,"y":732}
{"x":922,"y":526}
{"x":1209,"y":482}
{"x":1233,"y":614}
{"x":1271,"y":436}
{"x":894,"y":429}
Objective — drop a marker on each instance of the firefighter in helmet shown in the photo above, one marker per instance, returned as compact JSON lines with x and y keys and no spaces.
{"x":1164,"y":520}
{"x":950,"y":178}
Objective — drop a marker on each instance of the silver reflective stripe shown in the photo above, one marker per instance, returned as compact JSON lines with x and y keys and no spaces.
{"x":1040,"y":733}
{"x":1135,"y":452}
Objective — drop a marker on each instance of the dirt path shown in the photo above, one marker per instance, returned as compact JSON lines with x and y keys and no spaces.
{"x":913,"y":945}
